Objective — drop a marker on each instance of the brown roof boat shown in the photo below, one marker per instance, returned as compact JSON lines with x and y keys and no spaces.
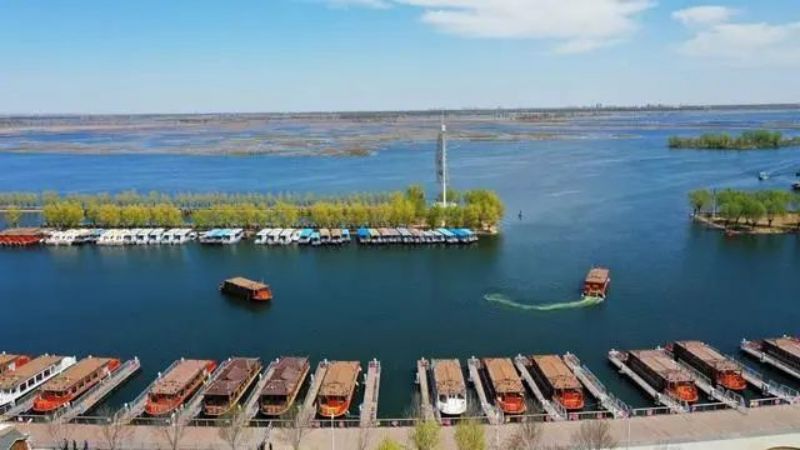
{"x":711,"y":363}
{"x":230,"y":385}
{"x":506,"y":385}
{"x":785,"y":348}
{"x":283,"y":385}
{"x":337,"y":389}
{"x":557,"y":381}
{"x":177,"y":385}
{"x":448,"y":378}
{"x":11,"y":379}
{"x":662,"y":372}
{"x":73,"y":382}
{"x":12,"y":362}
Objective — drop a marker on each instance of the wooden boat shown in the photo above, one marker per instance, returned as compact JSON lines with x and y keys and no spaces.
{"x":337,"y":389}
{"x":786,"y":349}
{"x":283,"y":385}
{"x":711,"y":363}
{"x":10,"y":362}
{"x":246,"y":289}
{"x":15,"y":384}
{"x":73,"y":383}
{"x":230,"y":385}
{"x":21,"y":237}
{"x":505,"y":384}
{"x":449,"y":388}
{"x":664,"y":374}
{"x":176,"y":386}
{"x":596,"y":283}
{"x":557,"y":381}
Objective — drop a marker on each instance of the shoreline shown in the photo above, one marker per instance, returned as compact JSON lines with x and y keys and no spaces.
{"x":789,"y":224}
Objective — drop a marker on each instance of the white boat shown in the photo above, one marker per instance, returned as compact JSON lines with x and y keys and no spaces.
{"x":261,"y":236}
{"x":224,"y":236}
{"x":285,"y":237}
{"x":296,"y":236}
{"x":274,"y":236}
{"x":154,"y":237}
{"x":16,"y":384}
{"x":142,"y":236}
{"x":449,"y":388}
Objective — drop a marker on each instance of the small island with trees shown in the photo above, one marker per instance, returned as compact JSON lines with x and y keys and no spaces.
{"x":749,"y":212}
{"x":748,"y":140}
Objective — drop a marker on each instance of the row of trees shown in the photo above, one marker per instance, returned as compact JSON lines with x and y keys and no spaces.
{"x":735,"y":205}
{"x":723,"y":141}
{"x":478,"y":209}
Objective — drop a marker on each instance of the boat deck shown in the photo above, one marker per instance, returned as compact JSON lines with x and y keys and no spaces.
{"x":92,"y":397}
{"x":618,"y":359}
{"x":753,"y":349}
{"x":426,"y":408}
{"x":554,"y":411}
{"x":595,"y":387}
{"x":493,"y":414}
{"x":369,"y":408}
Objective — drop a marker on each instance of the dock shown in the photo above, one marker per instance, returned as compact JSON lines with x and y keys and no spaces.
{"x":372,"y":382}
{"x":618,"y":360}
{"x":426,"y":408}
{"x":598,"y":390}
{"x":97,"y":393}
{"x":722,"y":395}
{"x":251,"y":403}
{"x":555,"y":411}
{"x":494,"y":415}
{"x":22,"y":406}
{"x":192,"y":407}
{"x":768,"y":387}
{"x":754,"y":350}
{"x":309,"y":404}
{"x":134,"y":409}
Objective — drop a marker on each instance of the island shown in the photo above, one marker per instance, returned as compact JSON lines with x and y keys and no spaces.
{"x":748,"y":140}
{"x":748,"y":212}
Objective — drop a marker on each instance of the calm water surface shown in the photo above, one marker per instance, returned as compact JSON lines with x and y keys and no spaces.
{"x":615,"y":202}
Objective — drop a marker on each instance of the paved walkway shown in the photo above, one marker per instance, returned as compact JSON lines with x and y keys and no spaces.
{"x":758,"y":428}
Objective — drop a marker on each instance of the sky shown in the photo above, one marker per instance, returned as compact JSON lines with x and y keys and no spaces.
{"x":186,"y":56}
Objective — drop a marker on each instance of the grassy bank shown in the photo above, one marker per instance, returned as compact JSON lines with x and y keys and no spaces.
{"x":479,"y":209}
{"x":749,"y":140}
{"x":762,"y":212}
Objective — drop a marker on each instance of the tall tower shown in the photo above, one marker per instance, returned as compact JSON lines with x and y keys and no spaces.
{"x":441,"y":161}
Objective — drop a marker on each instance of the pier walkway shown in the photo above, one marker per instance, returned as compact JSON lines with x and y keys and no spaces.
{"x":617,"y":358}
{"x":193,"y":406}
{"x":426,"y":408}
{"x":92,"y":397}
{"x":134,"y":409}
{"x":493,"y":414}
{"x":372,"y":384}
{"x":598,"y":390}
{"x":754,"y":350}
{"x":555,"y":411}
{"x":309,"y":404}
{"x":251,"y":403}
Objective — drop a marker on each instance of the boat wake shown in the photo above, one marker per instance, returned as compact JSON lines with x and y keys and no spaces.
{"x":503,"y":300}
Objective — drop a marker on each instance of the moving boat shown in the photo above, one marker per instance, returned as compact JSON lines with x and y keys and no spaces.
{"x":711,"y":363}
{"x":246,"y":289}
{"x":449,"y":388}
{"x":12,"y":362}
{"x":283,"y":385}
{"x":557,"y":381}
{"x":176,"y":386}
{"x":505,"y":385}
{"x":73,"y":383}
{"x":763,"y":176}
{"x":664,"y":374}
{"x":15,"y":384}
{"x":596,"y":284}
{"x":230,"y":385}
{"x":337,"y":389}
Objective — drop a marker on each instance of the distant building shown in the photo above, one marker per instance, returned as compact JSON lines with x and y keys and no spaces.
{"x":13,"y":439}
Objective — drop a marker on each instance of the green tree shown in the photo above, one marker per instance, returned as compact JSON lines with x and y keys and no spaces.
{"x":134,"y":216}
{"x":63,"y":214}
{"x":286,"y":214}
{"x":166,"y":215}
{"x":752,"y":209}
{"x":700,"y":199}
{"x":776,"y":204}
{"x":426,"y":435}
{"x":108,"y":215}
{"x":435,"y":216}
{"x":470,"y":435}
{"x":416,"y":195}
{"x":12,"y":216}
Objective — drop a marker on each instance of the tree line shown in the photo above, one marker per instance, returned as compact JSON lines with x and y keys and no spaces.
{"x":756,"y":139}
{"x":478,"y":209}
{"x":751,"y":206}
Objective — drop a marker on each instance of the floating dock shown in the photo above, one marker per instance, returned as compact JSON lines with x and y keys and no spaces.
{"x":617,"y":358}
{"x":372,"y":382}
{"x":493,"y":414}
{"x":91,"y":398}
{"x":309,"y":409}
{"x":598,"y":390}
{"x":426,"y":408}
{"x":192,"y":407}
{"x":753,"y":349}
{"x":555,"y":411}
{"x":251,"y":403}
{"x":134,"y":409}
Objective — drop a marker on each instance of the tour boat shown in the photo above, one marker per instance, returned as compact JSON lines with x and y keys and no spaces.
{"x":315,"y":238}
{"x":230,"y":385}
{"x":345,"y":235}
{"x":337,"y":388}
{"x":261,"y":236}
{"x":336,"y":236}
{"x":296,"y":236}
{"x":449,"y":388}
{"x":283,"y":385}
{"x":143,"y":236}
{"x":10,"y":362}
{"x":557,"y":381}
{"x":664,"y":374}
{"x":285,"y":238}
{"x":505,"y":384}
{"x":786,"y":349}
{"x":15,"y":384}
{"x":596,"y":283}
{"x":763,"y":176}
{"x":176,"y":386}
{"x":274,"y":236}
{"x":21,"y":237}
{"x":363,"y":235}
{"x":711,"y":363}
{"x":155,"y":235}
{"x":305,"y":236}
{"x":73,"y":383}
{"x":247,"y":289}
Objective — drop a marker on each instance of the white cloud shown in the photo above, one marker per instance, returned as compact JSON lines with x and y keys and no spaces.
{"x":377,"y":4}
{"x":574,"y":25}
{"x":704,"y":15}
{"x":741,"y":44}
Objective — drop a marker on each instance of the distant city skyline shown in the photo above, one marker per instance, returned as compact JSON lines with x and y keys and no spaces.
{"x":203,"y":56}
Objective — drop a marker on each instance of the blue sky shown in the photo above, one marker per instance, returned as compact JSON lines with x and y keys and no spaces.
{"x":100,"y":56}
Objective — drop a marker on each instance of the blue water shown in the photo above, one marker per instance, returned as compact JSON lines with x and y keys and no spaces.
{"x":601,"y":201}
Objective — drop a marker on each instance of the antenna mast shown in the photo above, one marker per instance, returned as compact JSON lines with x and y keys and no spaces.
{"x":441,"y":160}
